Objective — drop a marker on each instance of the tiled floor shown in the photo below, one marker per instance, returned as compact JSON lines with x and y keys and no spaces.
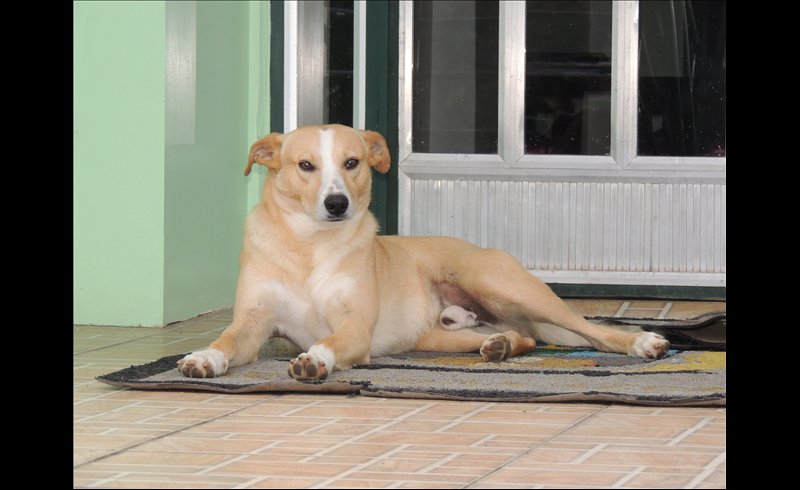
{"x":138,"y":439}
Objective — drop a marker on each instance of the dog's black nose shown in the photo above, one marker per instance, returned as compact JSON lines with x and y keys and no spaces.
{"x":336,"y":204}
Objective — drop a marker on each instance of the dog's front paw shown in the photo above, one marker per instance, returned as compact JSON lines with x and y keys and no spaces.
{"x":208,"y":363}
{"x":496,"y":348}
{"x":650,"y":346}
{"x":307,"y":367}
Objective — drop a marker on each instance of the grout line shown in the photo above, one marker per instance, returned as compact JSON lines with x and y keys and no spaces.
{"x":314,"y":429}
{"x":356,"y":438}
{"x":588,"y":454}
{"x":438,"y":463}
{"x":690,"y":431}
{"x":359,"y":467}
{"x":465,"y":417}
{"x":484,"y":440}
{"x":92,"y":398}
{"x":630,"y":476}
{"x":665,"y":311}
{"x":252,"y":481}
{"x":168,"y":328}
{"x":84,"y":383}
{"x":254,"y":452}
{"x":106,"y":412}
{"x":177,"y":341}
{"x":159,"y":415}
{"x":537,"y":445}
{"x":395,"y":421}
{"x":119,"y":475}
{"x":622,"y":309}
{"x":167,"y":434}
{"x":710,"y":468}
{"x":300,"y":408}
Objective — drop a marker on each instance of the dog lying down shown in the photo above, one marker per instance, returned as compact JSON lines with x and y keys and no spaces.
{"x":313,"y":270}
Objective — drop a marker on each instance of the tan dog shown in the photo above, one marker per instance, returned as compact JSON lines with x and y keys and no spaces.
{"x":314,"y":271}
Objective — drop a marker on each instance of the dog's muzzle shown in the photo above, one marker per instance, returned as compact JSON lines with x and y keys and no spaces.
{"x":337,"y":205}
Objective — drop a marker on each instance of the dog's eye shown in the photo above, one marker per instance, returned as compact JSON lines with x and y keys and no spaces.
{"x":306,"y":166}
{"x":351,"y":164}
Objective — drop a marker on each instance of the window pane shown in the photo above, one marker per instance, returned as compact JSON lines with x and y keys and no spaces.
{"x":682,"y":73}
{"x":568,"y":77}
{"x":339,"y":72}
{"x":455,"y":77}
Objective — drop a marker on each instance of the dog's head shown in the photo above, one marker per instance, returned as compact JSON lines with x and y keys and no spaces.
{"x":326,"y":169}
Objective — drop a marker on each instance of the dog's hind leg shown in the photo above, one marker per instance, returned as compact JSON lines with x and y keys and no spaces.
{"x":503,"y":286}
{"x":496,"y":347}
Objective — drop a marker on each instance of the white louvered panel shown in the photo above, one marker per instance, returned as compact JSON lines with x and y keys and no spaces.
{"x":581,"y":226}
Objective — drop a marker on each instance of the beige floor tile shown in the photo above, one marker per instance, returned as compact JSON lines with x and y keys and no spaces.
{"x":257,"y":465}
{"x":458,"y":470}
{"x":439,"y":439}
{"x":689,"y":309}
{"x":644,"y":458}
{"x":633,"y":313}
{"x":81,"y":455}
{"x":455,"y":408}
{"x":505,"y":428}
{"x":549,"y":455}
{"x":536,"y":476}
{"x":350,"y":483}
{"x":399,"y":465}
{"x":412,"y":477}
{"x":150,"y":480}
{"x":342,"y":429}
{"x":718,"y":476}
{"x":719,"y":440}
{"x":279,"y":483}
{"x":526,"y":417}
{"x":184,"y":445}
{"x":586,"y":307}
{"x":356,"y":412}
{"x":645,"y":421}
{"x":171,"y":458}
{"x":658,"y":480}
{"x":647,"y":304}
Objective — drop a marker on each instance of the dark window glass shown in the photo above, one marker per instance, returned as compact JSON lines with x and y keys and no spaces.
{"x":682,"y":73}
{"x":339,"y":74}
{"x":455,"y":77}
{"x":568,"y":77}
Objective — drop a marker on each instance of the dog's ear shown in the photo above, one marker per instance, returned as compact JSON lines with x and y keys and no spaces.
{"x":267,"y":152}
{"x":378,"y":151}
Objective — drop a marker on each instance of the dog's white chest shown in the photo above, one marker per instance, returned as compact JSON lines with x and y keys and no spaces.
{"x":304,"y":310}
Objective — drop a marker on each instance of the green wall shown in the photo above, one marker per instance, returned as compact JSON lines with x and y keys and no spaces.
{"x":206,"y":190}
{"x":157,"y":220}
{"x":118,"y":163}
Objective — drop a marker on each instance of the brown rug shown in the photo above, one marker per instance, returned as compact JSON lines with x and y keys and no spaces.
{"x":693,"y":374}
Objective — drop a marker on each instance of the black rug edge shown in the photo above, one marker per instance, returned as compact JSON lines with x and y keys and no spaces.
{"x":291,"y":386}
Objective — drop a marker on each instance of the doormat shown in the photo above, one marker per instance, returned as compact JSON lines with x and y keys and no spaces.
{"x":685,"y":377}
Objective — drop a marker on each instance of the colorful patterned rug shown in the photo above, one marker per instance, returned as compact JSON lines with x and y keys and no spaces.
{"x":550,"y":373}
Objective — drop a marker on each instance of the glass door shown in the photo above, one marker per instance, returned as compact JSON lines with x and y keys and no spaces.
{"x":587,"y":138}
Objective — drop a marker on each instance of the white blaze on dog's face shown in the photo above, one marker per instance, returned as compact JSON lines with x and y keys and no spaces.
{"x":323,"y":169}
